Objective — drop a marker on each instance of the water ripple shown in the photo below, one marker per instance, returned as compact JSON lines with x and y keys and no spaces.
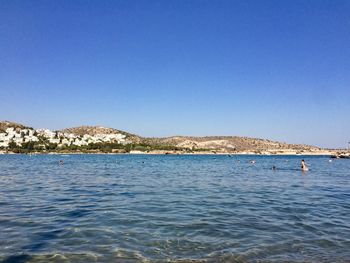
{"x":136,"y":208}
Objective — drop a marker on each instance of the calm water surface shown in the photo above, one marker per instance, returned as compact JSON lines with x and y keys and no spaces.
{"x":142,"y":208}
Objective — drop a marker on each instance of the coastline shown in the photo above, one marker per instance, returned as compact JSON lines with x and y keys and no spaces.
{"x":320,"y":153}
{"x":19,"y":139}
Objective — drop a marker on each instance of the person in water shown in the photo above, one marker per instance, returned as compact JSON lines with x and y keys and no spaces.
{"x":304,"y":166}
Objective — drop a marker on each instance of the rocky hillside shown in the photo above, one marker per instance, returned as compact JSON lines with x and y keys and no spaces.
{"x":9,"y":124}
{"x":94,"y":130}
{"x":230,"y":144}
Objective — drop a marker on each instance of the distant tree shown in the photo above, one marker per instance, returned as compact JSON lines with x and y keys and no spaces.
{"x":128,"y":147}
{"x":13,"y":145}
{"x":51,"y":146}
{"x":28,"y":145}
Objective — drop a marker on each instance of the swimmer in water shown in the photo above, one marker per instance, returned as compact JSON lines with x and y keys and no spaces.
{"x":252,"y":161}
{"x":304,"y":166}
{"x":61,"y":162}
{"x":273,"y":167}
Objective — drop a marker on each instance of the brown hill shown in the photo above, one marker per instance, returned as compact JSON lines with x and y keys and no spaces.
{"x":10,"y":124}
{"x":93,"y":130}
{"x":229,"y":143}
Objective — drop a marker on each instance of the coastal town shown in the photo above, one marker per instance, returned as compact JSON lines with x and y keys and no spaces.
{"x":17,"y":136}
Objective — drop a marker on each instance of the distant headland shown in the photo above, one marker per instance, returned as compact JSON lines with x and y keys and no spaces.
{"x":18,"y":138}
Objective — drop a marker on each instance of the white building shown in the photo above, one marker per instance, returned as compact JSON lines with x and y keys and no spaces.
{"x":20,"y":136}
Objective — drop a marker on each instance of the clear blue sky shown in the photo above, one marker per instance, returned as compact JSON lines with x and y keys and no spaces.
{"x":268,"y":69}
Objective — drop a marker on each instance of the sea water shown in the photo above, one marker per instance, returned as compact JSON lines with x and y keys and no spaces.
{"x":177,"y":208}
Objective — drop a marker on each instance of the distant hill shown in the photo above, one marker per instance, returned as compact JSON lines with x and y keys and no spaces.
{"x":94,"y":130}
{"x":224,"y":144}
{"x":9,"y":124}
{"x":229,"y":143}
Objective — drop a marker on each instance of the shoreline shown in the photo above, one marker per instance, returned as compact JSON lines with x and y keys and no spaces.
{"x":321,"y":153}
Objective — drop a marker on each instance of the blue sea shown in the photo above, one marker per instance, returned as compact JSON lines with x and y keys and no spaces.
{"x":173,"y":208}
